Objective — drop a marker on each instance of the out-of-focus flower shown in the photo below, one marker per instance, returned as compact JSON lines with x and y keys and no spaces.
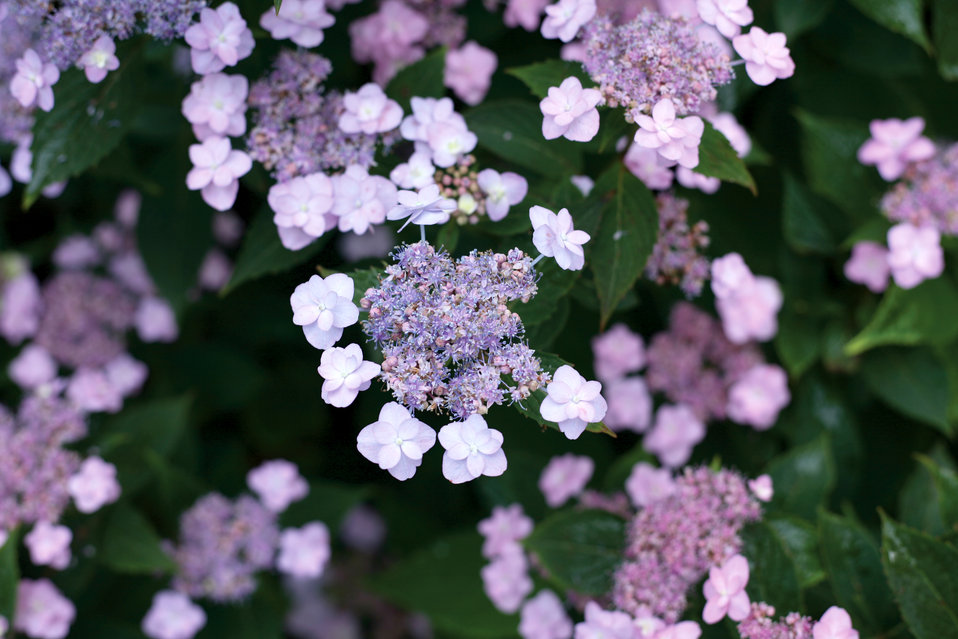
{"x":564,"y":477}
{"x":277,"y":483}
{"x":914,"y":254}
{"x":173,"y":616}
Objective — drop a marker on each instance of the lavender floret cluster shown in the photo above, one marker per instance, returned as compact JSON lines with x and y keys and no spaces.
{"x":927,"y":194}
{"x":673,"y":541}
{"x":650,"y":58}
{"x":675,"y":257}
{"x":446,"y":332}
{"x":760,"y":624}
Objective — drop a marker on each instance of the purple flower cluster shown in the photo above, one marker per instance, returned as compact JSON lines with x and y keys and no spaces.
{"x":16,"y":36}
{"x":222,"y":545}
{"x":675,"y":540}
{"x":760,"y":624}
{"x":446,"y":332}
{"x":927,"y":194}
{"x":651,"y":58}
{"x":675,"y":258}
{"x":296,"y":123}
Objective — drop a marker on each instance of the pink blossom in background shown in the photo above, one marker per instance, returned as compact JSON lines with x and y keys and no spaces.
{"x":361,"y":200}
{"x":573,"y":402}
{"x":544,"y":617}
{"x":34,"y":80}
{"x":155,"y":321}
{"x":42,"y":611}
{"x":692,"y":180}
{"x":426,"y":112}
{"x":33,"y":367}
{"x":277,"y":483}
{"x":766,"y":57}
{"x":49,"y":545}
{"x":503,"y":530}
{"x":90,"y":390}
{"x":582,"y":182}
{"x":125,"y":374}
{"x":748,"y":305}
{"x":173,"y":616}
{"x":363,"y":529}
{"x":914,"y":254}
{"x":834,"y":624}
{"x":227,"y":228}
{"x":427,"y":206}
{"x":417,"y":173}
{"x":215,"y":270}
{"x":894,"y":144}
{"x":725,"y":591}
{"x":6,"y":182}
{"x":506,"y":581}
{"x":301,"y":21}
{"x":524,"y":13}
{"x":728,"y":16}
{"x":20,"y":305}
{"x":302,"y":209}
{"x":569,"y":111}
{"x":687,"y":9}
{"x":324,"y":307}
{"x":219,"y":40}
{"x":215,"y":172}
{"x":346,"y":373}
{"x":76,"y":252}
{"x":757,"y":397}
{"x":735,"y":133}
{"x":554,"y":236}
{"x":629,"y":404}
{"x":396,"y":441}
{"x":99,"y":60}
{"x":681,"y":630}
{"x":502,"y":191}
{"x":472,"y":449}
{"x":648,"y":626}
{"x":303,"y":552}
{"x":127,"y":207}
{"x":564,"y":477}
{"x":730,"y":274}
{"x":761,"y":487}
{"x":674,"y":434}
{"x":575,"y":51}
{"x":564,"y":18}
{"x":369,"y":111}
{"x":618,"y":352}
{"x":94,"y":485}
{"x":868,"y":265}
{"x":675,"y":139}
{"x":604,"y":624}
{"x":216,"y":105}
{"x":469,"y":71}
{"x":390,"y":38}
{"x":647,"y":484}
{"x":644,"y":164}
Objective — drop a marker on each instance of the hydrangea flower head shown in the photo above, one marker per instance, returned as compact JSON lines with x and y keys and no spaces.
{"x":216,"y":169}
{"x":277,"y":483}
{"x":34,"y":81}
{"x":303,"y":552}
{"x":469,"y":71}
{"x":346,"y":373}
{"x":676,"y":257}
{"x":397,"y":441}
{"x":554,"y":236}
{"x":894,"y":144}
{"x":569,"y":111}
{"x":94,"y":485}
{"x":472,"y":449}
{"x":99,"y":60}
{"x":834,"y":624}
{"x":564,"y":18}
{"x":725,"y":591}
{"x":502,"y":191}
{"x":324,"y":307}
{"x":219,"y":40}
{"x":728,"y":16}
{"x":675,"y":139}
{"x":927,"y":194}
{"x":302,"y":21}
{"x":173,"y":616}
{"x":564,"y":477}
{"x":914,"y":254}
{"x":766,"y":57}
{"x":369,"y":111}
{"x":573,"y":402}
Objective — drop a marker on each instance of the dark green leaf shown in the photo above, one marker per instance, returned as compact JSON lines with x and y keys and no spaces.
{"x":553,"y":285}
{"x":9,"y":574}
{"x":911,"y":380}
{"x":328,"y":501}
{"x":803,"y":477}
{"x":901,"y":16}
{"x":448,"y":236}
{"x":421,"y":79}
{"x":798,"y":16}
{"x":798,"y":341}
{"x":944,"y":27}
{"x":157,"y":425}
{"x":772,"y":576}
{"x":580,"y":549}
{"x":540,"y":76}
{"x":277,"y":4}
{"x":805,"y":219}
{"x":919,"y":498}
{"x":363,"y":280}
{"x":718,"y":159}
{"x":923,"y":575}
{"x":799,"y":540}
{"x":946,"y":484}
{"x":544,"y":334}
{"x":131,"y":546}
{"x":259,"y":618}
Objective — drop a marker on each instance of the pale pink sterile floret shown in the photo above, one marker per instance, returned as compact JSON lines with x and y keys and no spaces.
{"x":564,"y":18}
{"x":42,"y":610}
{"x":426,"y":111}
{"x":544,"y":617}
{"x":630,"y":404}
{"x":681,"y":630}
{"x":502,"y":191}
{"x":506,"y":581}
{"x":277,"y":483}
{"x":173,"y":615}
{"x":674,"y":434}
{"x":570,"y":111}
{"x":346,"y":373}
{"x":868,"y":265}
{"x":396,"y":441}
{"x":303,"y":552}
{"x":49,"y":545}
{"x":573,"y":402}
{"x":416,"y":173}
{"x":302,"y":209}
{"x":647,"y":484}
{"x":503,"y":530}
{"x":34,"y":80}
{"x":361,"y":200}
{"x":155,"y":320}
{"x":216,"y":105}
{"x":725,"y":591}
{"x":524,"y":13}
{"x":564,"y":477}
{"x":675,"y":139}
{"x":20,"y":305}
{"x":730,"y":273}
{"x":647,"y":626}
{"x":215,"y":172}
{"x":219,"y":40}
{"x":554,"y":236}
{"x":324,"y":307}
{"x":604,"y":624}
{"x":914,"y":254}
{"x":692,"y":180}
{"x":728,"y":16}
{"x":369,"y":111}
{"x":427,"y":206}
{"x":469,"y":71}
{"x":834,"y":624}
{"x":894,"y":145}
{"x":618,"y":352}
{"x":735,"y":133}
{"x":751,"y":312}
{"x":33,"y":367}
{"x":94,"y":485}
{"x":301,"y":21}
{"x":762,"y":488}
{"x":449,"y":141}
{"x":472,"y":449}
{"x":766,"y":57}
{"x":126,"y":374}
{"x":90,"y":391}
{"x":758,"y":396}
{"x":644,"y":164}
{"x":99,"y":60}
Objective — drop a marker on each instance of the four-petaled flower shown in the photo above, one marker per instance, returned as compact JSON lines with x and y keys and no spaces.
{"x":34,"y":81}
{"x":676,"y":139}
{"x":554,"y":236}
{"x":502,"y":191}
{"x":565,"y":18}
{"x":766,"y":57}
{"x":173,"y":616}
{"x":221,"y":39}
{"x":302,"y":21}
{"x":573,"y":402}
{"x":361,"y":200}
{"x":94,"y":485}
{"x":302,"y":209}
{"x":100,"y":59}
{"x":725,"y":591}
{"x":397,"y":441}
{"x":369,"y":111}
{"x":569,"y":111}
{"x":324,"y":307}
{"x":472,"y":449}
{"x":834,"y":624}
{"x":216,"y":167}
{"x":894,"y":145}
{"x":277,"y":483}
{"x":216,"y":105}
{"x":346,"y":374}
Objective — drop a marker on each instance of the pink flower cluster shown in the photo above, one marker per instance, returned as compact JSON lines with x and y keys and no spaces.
{"x":505,"y":578}
{"x":618,"y":352}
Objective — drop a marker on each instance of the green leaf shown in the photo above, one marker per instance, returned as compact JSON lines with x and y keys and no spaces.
{"x":9,"y":574}
{"x":580,"y":549}
{"x":805,"y":219}
{"x":421,"y":79}
{"x":923,"y":575}
{"x":911,"y":316}
{"x":853,"y":564}
{"x":624,"y":241}
{"x":540,"y":76}
{"x":328,"y":501}
{"x":261,"y":617}
{"x":772,"y":577}
{"x":798,"y":341}
{"x":918,"y":499}
{"x":944,"y":27}
{"x":86,"y":124}
{"x":443,"y":582}
{"x":363,"y":279}
{"x":554,"y":284}
{"x":901,"y":16}
{"x":946,"y":484}
{"x":799,"y":540}
{"x":798,"y":16}
{"x":718,"y":159}
{"x":803,"y":477}
{"x":512,"y":129}
{"x":263,"y":254}
{"x":448,"y":236}
{"x":277,"y":4}
{"x":131,"y":546}
{"x":544,"y":334}
{"x":911,"y":380}
{"x":157,"y":425}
